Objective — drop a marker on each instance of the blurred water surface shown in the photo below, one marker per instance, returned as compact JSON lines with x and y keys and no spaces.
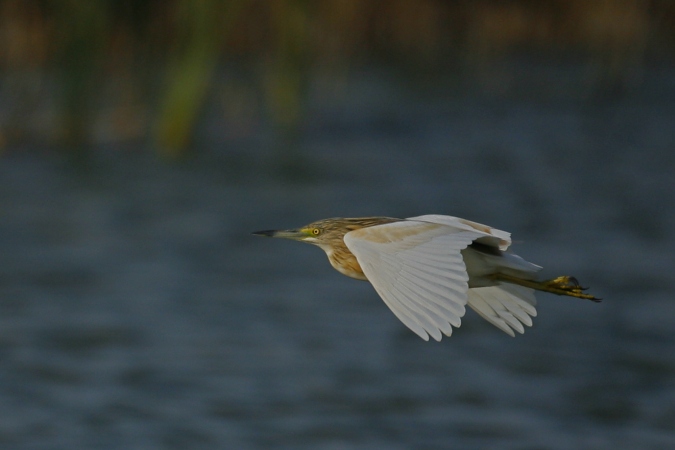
{"x":137,"y":311}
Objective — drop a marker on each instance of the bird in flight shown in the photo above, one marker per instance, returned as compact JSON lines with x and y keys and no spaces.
{"x":427,"y":268}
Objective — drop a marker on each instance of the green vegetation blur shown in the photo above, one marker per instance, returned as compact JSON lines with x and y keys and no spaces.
{"x":78,"y":73}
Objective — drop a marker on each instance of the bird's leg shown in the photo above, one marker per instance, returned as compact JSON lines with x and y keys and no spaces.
{"x":564,"y":285}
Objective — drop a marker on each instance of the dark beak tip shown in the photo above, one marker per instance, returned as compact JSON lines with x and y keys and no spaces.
{"x":268,"y":233}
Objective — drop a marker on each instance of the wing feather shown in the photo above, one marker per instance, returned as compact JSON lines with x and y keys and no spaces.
{"x":523,"y":298}
{"x":422,"y":317}
{"x":418,"y":270}
{"x":478,"y":304}
{"x":435,"y":309}
{"x":405,"y":314}
{"x":508,"y":307}
{"x":431,"y":268}
{"x":453,"y":311}
{"x":503,"y":313}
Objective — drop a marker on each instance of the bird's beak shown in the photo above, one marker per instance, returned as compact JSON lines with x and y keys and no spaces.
{"x":285,"y":234}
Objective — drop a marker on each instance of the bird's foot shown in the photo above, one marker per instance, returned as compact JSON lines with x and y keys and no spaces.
{"x":566,"y":285}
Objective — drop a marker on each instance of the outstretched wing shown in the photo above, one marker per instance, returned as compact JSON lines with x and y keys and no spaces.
{"x":418,"y":270}
{"x":506,"y":306}
{"x":490,"y":236}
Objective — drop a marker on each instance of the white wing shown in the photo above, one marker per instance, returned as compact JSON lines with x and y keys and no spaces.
{"x":506,"y":306}
{"x":496,"y":237}
{"x":418,"y":270}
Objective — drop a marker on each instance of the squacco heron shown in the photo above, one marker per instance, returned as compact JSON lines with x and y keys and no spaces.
{"x":427,"y":268}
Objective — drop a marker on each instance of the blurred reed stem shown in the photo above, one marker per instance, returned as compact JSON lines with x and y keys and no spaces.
{"x":84,"y":30}
{"x":201,"y":26}
{"x":286,"y":79}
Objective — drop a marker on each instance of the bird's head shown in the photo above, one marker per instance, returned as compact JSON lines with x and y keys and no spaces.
{"x":323,"y":232}
{"x":326,"y":233}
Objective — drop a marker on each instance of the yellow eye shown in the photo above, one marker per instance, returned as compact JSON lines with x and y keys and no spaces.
{"x":316,"y":231}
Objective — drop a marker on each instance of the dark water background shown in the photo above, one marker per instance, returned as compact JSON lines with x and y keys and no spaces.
{"x":137,"y":311}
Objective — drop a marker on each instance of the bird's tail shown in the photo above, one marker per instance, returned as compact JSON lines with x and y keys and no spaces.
{"x":564,"y":285}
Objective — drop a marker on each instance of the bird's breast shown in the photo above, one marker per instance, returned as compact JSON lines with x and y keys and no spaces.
{"x":345,"y":262}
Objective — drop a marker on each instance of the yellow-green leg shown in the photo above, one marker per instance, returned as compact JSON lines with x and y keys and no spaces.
{"x":564,"y":285}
